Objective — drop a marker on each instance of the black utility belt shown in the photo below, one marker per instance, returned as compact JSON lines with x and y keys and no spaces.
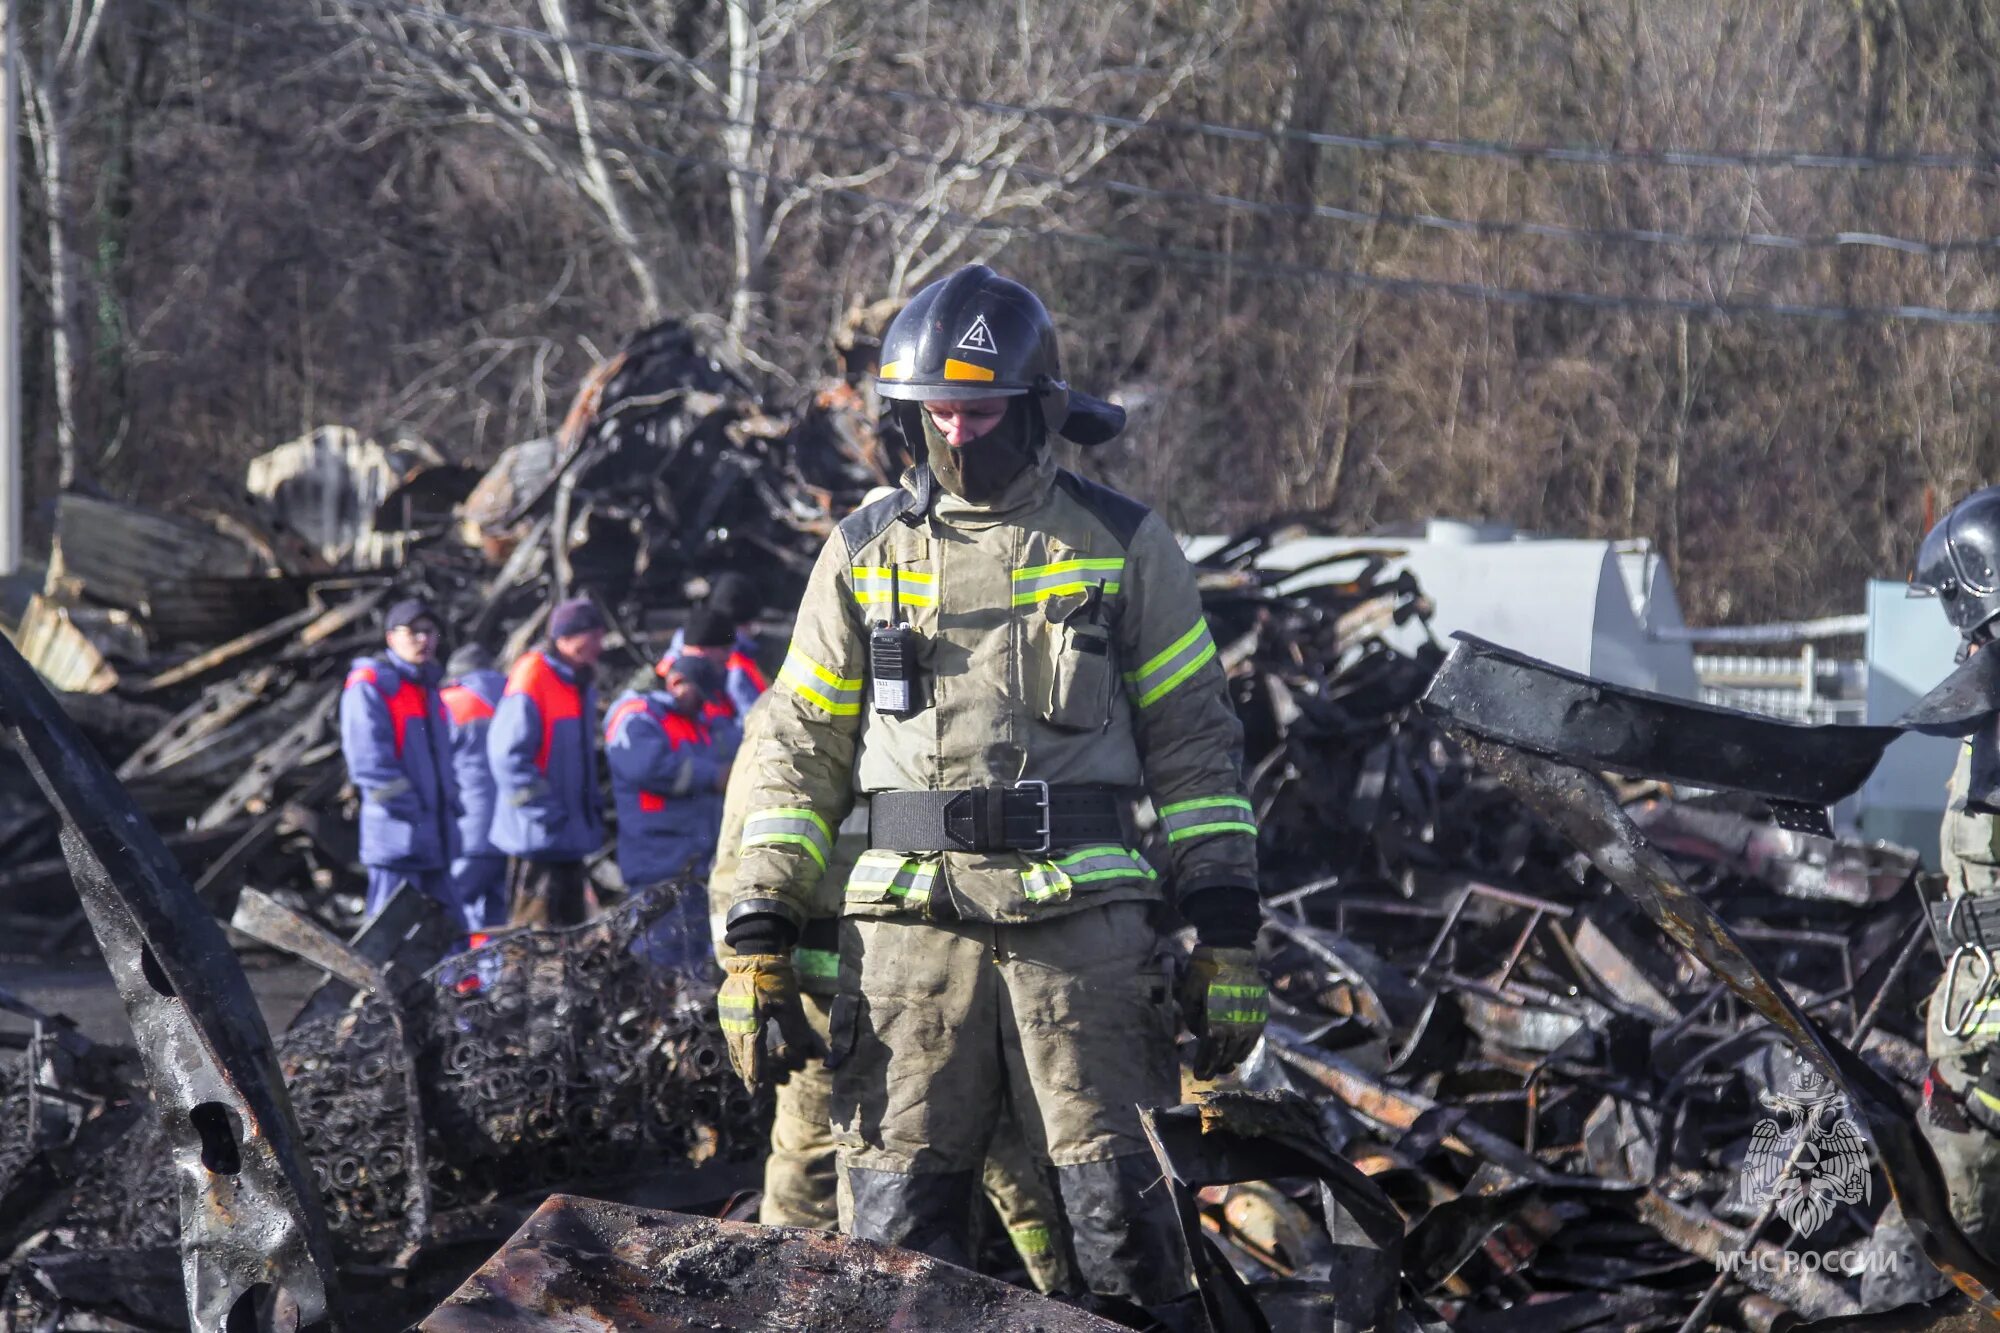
{"x":1026,"y":817}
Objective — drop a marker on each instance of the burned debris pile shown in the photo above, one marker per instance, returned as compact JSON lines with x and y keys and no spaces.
{"x":1575,"y":1116}
{"x":205,"y":658}
{"x":1550,"y":1114}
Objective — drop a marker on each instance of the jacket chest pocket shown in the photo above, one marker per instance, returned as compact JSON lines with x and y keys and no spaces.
{"x":1070,"y":671}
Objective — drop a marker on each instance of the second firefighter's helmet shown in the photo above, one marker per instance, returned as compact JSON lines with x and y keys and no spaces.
{"x":1960,"y":562}
{"x":976,"y":334}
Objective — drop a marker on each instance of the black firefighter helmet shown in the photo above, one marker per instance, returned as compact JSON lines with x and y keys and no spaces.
{"x":1960,"y":562}
{"x":976,"y":334}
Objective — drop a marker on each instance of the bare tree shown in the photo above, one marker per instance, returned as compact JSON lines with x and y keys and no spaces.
{"x":59,"y":86}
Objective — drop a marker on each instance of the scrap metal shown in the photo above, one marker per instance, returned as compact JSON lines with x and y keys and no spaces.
{"x":255,"y":1243}
{"x":1492,"y":987}
{"x":585,"y":1263}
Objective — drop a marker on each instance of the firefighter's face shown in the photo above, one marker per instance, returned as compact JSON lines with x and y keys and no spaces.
{"x":962,"y":421}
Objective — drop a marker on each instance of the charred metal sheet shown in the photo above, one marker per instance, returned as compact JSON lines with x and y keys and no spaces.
{"x":1960,"y":702}
{"x":72,"y":647}
{"x":226,"y":871}
{"x":1234,"y":1136}
{"x":253,"y":1239}
{"x":1583,"y":809}
{"x":220,"y":656}
{"x":1516,"y":700}
{"x":398,"y":945}
{"x":120,"y":553}
{"x":584,"y":1263}
{"x":269,"y":921}
{"x":328,"y":488}
{"x":274,"y":761}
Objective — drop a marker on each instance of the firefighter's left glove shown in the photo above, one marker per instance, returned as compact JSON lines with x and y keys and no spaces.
{"x":763,"y":1020}
{"x":1225,"y":1003}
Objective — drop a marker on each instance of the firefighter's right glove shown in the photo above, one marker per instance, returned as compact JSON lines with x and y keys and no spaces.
{"x":1225,"y":1003}
{"x":763,"y":1020}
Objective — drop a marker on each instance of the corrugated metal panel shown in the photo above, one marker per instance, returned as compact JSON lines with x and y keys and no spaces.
{"x":69,"y":647}
{"x":208,"y":611}
{"x":327,"y":487}
{"x":126,"y":556}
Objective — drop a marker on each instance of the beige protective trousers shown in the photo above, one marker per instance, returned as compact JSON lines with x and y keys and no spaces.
{"x":941,"y":1028}
{"x":800,"y":1182}
{"x":1956,"y":1123}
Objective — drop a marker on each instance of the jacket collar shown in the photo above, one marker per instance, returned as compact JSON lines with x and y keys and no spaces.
{"x":568,"y":674}
{"x":428,"y":674}
{"x":1024,"y":493}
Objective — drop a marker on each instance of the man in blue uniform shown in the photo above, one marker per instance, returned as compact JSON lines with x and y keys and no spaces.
{"x":669,"y":761}
{"x":543,"y":748}
{"x":395,"y":738}
{"x":725,"y":626}
{"x":479,"y":873}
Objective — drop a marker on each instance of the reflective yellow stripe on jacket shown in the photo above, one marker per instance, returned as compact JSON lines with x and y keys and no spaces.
{"x":1171,"y":667}
{"x":899,"y":875}
{"x":872,"y":585}
{"x":800,"y":827}
{"x":809,"y":680}
{"x":1037,"y":582}
{"x":1209,"y":814}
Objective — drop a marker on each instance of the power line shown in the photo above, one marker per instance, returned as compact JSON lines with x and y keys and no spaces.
{"x":1577,"y":154}
{"x":1237,"y":265}
{"x":1480,"y":227}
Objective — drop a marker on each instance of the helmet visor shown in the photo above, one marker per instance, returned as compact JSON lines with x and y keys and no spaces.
{"x":1973,"y":563}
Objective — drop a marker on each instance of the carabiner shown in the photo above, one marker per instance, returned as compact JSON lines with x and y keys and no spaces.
{"x":1962,"y":1026}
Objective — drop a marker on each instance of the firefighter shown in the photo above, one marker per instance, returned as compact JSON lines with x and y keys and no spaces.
{"x":1000,"y":657}
{"x":394,"y":736}
{"x":733,"y":599}
{"x":479,"y":874}
{"x":1959,"y":563}
{"x":800,"y":1179}
{"x":543,"y":749}
{"x":669,"y":760}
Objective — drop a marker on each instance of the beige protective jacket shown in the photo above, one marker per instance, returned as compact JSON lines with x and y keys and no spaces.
{"x":1029,"y":672}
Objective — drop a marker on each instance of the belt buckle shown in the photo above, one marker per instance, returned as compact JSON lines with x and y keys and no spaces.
{"x":1042,"y":808}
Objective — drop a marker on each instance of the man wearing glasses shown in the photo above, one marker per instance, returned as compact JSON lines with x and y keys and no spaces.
{"x":396,"y":737}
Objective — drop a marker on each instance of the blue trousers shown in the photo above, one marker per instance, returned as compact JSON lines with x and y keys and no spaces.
{"x":479,"y":886}
{"x":382,"y":886}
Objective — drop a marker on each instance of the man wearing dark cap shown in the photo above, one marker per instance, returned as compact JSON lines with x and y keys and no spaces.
{"x":543,"y":749}
{"x":712,"y":635}
{"x":670,"y":756}
{"x":733,"y":601}
{"x":479,"y":874}
{"x":395,"y":738}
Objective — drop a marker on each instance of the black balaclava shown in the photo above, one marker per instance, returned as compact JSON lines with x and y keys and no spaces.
{"x":980,"y":471}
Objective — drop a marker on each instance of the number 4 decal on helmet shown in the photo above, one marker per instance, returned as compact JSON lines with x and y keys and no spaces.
{"x":978,"y":338}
